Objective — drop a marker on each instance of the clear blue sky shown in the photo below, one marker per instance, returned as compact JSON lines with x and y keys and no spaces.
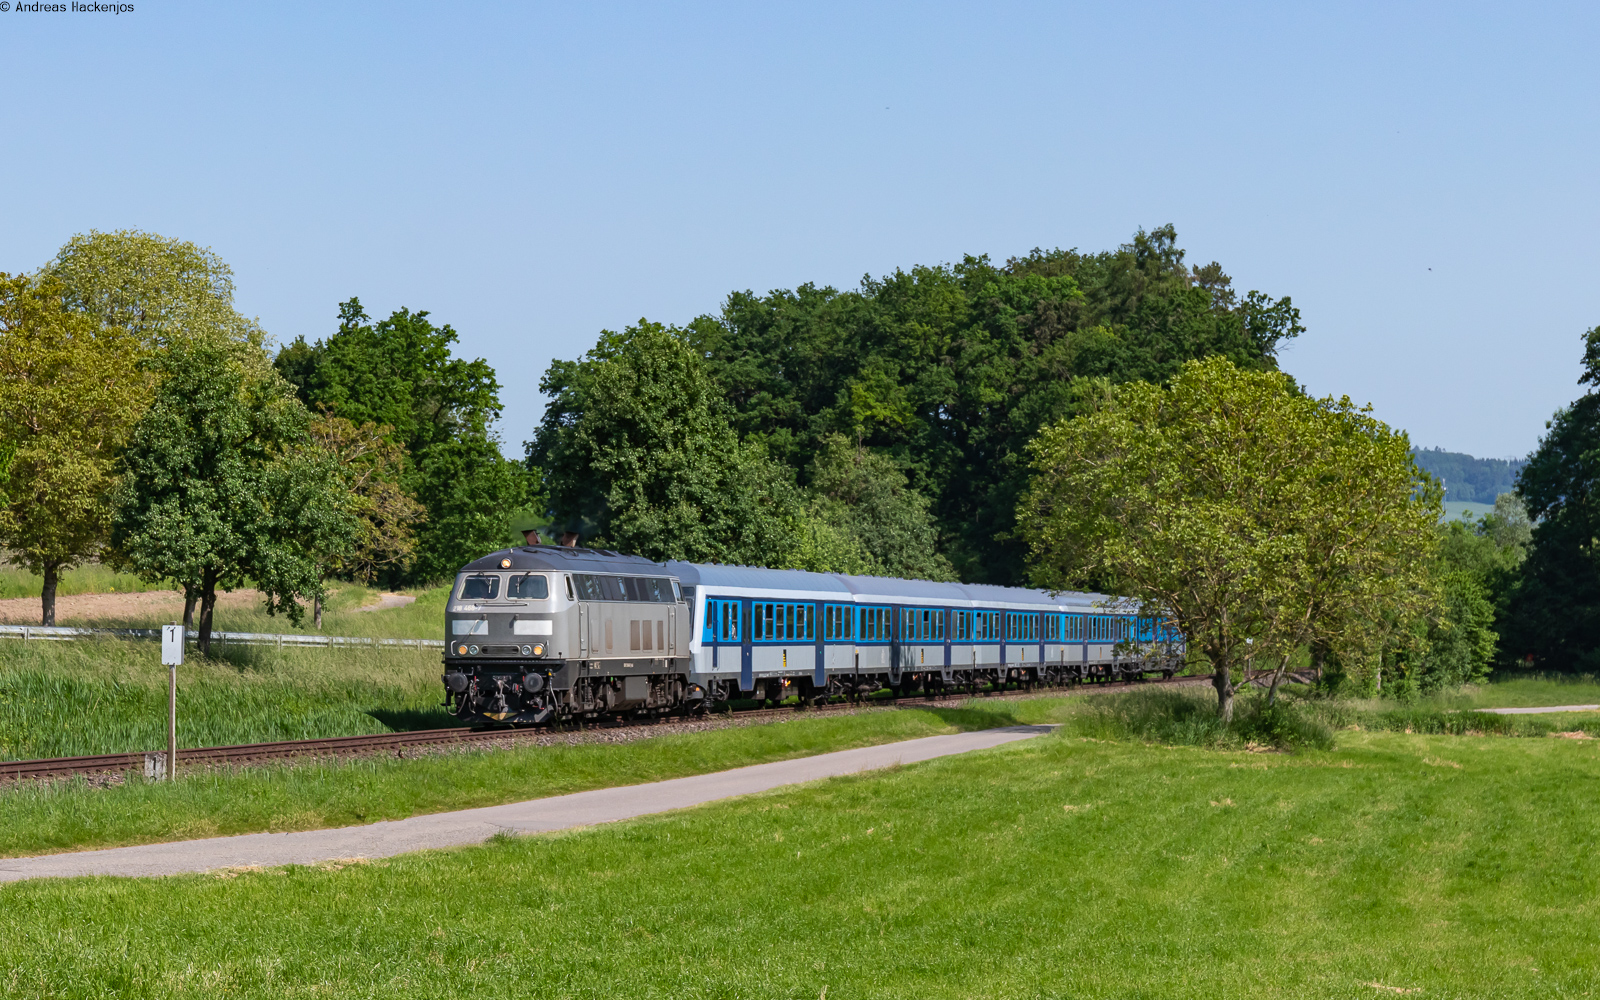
{"x":1421,"y":179}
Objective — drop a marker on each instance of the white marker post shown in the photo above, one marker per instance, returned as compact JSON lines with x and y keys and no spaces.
{"x":172,"y":637}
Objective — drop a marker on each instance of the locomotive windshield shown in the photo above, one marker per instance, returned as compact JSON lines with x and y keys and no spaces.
{"x":480,"y":588}
{"x":531,"y":587}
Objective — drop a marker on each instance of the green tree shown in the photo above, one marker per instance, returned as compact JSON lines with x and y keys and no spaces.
{"x":1552,"y":618}
{"x":222,"y":487}
{"x":1254,"y":518}
{"x":641,"y":457}
{"x":399,"y":373}
{"x":866,"y":495}
{"x":73,"y":388}
{"x":372,"y":464}
{"x":950,"y":371}
{"x":159,"y":289}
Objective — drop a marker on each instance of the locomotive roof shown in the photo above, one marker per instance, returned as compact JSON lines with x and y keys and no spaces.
{"x":565,"y":559}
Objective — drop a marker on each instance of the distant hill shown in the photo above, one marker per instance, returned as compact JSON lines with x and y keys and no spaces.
{"x":1476,"y":480}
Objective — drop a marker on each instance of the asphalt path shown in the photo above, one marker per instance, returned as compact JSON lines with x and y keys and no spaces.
{"x":473,"y":826}
{"x":1538,"y":711}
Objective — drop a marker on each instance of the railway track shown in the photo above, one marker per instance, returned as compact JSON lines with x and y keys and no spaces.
{"x":153,"y":764}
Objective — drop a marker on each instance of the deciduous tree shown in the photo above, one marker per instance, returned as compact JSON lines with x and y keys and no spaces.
{"x":1553,"y":612}
{"x":159,"y":289}
{"x":373,"y":464}
{"x":639,"y":454}
{"x":222,"y":487}
{"x":73,"y":387}
{"x":1246,"y":513}
{"x":399,"y":373}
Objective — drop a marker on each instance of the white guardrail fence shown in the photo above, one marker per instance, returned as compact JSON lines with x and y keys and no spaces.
{"x":50,"y":633}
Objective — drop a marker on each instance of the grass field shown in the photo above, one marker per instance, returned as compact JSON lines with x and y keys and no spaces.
{"x":90,"y":579}
{"x":42,"y":819}
{"x":1058,"y":867}
{"x":60,"y":699}
{"x":420,"y":620}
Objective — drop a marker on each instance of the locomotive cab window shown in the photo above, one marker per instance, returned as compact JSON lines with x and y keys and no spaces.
{"x":480,"y":588}
{"x":531,"y":587}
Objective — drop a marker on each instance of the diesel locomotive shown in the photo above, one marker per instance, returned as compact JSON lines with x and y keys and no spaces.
{"x":539,"y":633}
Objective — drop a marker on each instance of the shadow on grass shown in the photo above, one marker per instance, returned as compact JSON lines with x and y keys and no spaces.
{"x":974,"y":716}
{"x":406,"y":720}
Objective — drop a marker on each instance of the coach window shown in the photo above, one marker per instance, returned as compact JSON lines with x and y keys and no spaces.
{"x":480,"y":588}
{"x":529,"y":588}
{"x":730,"y":621}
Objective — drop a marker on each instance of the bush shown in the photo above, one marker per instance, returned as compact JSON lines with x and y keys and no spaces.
{"x":1189,"y":718}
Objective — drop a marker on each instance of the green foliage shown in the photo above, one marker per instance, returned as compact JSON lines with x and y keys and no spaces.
{"x":1257,"y":519}
{"x":641,"y":457}
{"x":950,"y":371}
{"x":73,"y":388}
{"x":372,"y":464}
{"x":399,"y":374}
{"x":221,"y":485}
{"x":1552,"y":613}
{"x":158,"y":289}
{"x":471,"y":493}
{"x":866,"y":495}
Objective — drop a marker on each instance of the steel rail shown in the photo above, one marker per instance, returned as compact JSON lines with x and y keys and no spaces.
{"x":153,"y":763}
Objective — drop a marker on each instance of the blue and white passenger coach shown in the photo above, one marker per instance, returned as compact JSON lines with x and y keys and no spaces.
{"x":541,"y":632}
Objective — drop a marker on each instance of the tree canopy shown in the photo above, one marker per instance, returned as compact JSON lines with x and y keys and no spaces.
{"x":159,"y":289}
{"x":221,"y":487}
{"x":1552,"y":618}
{"x":1254,"y":518}
{"x":641,"y":456}
{"x":399,"y":373}
{"x":949,"y":371}
{"x":74,"y":387}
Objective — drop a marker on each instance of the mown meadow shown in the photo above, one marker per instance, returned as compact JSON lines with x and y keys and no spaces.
{"x":1064,"y":866}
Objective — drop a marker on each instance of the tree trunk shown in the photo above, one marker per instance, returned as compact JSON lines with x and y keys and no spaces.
{"x":188,"y":612}
{"x":208,"y":604}
{"x":1277,"y":677}
{"x":316,"y":612}
{"x":1222,"y":680}
{"x":47,"y":597}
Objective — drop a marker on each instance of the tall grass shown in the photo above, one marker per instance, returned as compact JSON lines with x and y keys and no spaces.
{"x":109,"y":696}
{"x":1180,"y":717}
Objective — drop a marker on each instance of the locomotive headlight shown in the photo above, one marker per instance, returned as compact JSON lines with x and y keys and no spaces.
{"x":473,"y":650}
{"x":505,"y":564}
{"x":538,"y":650}
{"x":527,"y":650}
{"x":461,"y":651}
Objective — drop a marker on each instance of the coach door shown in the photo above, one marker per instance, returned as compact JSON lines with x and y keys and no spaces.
{"x":672,"y":631}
